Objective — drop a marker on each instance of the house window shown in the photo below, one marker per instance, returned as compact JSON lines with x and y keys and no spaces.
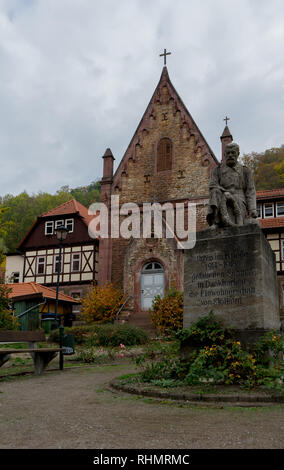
{"x":49,"y":227}
{"x":58,"y":223}
{"x":56,"y":264}
{"x":259,"y":210}
{"x":40,"y":265}
{"x":268,"y":210}
{"x":76,"y":261}
{"x":77,"y":296}
{"x":280,"y":209}
{"x":164,"y":155}
{"x":16,"y":277}
{"x":283,"y":295}
{"x":282,"y":249}
{"x":69,"y":224}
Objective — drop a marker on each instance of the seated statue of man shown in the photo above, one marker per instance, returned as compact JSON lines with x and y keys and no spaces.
{"x":232,"y":199}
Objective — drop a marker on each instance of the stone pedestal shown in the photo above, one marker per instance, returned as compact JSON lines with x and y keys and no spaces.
{"x":232,"y":272}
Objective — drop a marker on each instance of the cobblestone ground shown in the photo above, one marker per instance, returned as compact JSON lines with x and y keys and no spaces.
{"x":74,"y":409}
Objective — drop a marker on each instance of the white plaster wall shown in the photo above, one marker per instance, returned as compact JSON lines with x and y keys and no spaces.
{"x":14,"y":263}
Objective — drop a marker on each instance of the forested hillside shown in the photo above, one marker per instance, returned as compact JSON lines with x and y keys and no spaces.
{"x":267,"y":167}
{"x":19,"y":212}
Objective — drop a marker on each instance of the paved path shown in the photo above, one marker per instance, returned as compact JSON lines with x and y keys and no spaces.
{"x":74,"y":409}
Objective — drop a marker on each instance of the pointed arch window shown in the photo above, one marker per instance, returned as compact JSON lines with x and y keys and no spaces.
{"x":164,"y":155}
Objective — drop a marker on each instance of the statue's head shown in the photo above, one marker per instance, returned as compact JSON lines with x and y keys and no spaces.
{"x":232,"y":152}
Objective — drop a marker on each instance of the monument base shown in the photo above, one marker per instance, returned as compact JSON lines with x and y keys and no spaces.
{"x":232,"y":271}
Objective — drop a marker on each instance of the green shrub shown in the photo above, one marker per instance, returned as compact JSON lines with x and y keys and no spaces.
{"x":79,"y":332}
{"x":114,"y":335}
{"x":206,"y":331}
{"x":93,"y":356}
{"x":270,"y":348}
{"x":103,"y":335}
{"x":8,"y":321}
{"x":216,"y":357}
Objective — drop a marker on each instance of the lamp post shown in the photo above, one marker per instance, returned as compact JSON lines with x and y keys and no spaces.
{"x":61,"y":234}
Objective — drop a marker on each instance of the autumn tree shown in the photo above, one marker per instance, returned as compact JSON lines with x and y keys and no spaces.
{"x":3,"y":232}
{"x":7,"y":320}
{"x":267,"y":167}
{"x":101,"y":304}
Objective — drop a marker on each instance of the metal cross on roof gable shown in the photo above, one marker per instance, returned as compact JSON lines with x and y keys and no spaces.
{"x":165,"y":56}
{"x":226,"y":119}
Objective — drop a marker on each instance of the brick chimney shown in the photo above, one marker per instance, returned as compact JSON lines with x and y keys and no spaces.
{"x":225,"y":138}
{"x":105,"y":246}
{"x":106,"y":181}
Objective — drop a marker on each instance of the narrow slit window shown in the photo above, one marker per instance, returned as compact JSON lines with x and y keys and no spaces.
{"x":164,"y":155}
{"x":259,"y":211}
{"x":56,"y":264}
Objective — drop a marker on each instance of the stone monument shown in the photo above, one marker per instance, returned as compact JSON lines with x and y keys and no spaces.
{"x":231,"y":270}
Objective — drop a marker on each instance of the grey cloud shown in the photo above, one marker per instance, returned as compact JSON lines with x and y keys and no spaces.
{"x":76,"y":77}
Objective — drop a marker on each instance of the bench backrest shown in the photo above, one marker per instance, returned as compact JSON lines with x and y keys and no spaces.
{"x":21,"y":336}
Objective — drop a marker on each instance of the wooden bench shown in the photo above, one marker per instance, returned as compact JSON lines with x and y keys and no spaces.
{"x":41,"y":356}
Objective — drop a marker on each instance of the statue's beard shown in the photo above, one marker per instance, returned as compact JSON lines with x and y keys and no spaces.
{"x":231,"y":162}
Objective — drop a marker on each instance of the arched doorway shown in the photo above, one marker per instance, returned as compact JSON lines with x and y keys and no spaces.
{"x":152,"y":283}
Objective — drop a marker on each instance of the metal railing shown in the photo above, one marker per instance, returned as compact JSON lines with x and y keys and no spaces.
{"x":118,"y":312}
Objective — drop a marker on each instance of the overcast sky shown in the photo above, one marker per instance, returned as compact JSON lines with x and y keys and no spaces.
{"x":76,"y":77}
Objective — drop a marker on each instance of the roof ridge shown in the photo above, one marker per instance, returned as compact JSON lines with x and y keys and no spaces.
{"x":33,"y":286}
{"x":60,"y":205}
{"x":269,"y":190}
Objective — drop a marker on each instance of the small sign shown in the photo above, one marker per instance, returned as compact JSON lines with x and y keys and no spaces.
{"x":67,"y":350}
{"x":68,"y":345}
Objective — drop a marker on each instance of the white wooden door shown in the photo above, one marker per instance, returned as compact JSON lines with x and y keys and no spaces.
{"x":152,"y":284}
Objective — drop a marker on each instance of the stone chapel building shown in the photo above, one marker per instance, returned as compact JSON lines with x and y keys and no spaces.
{"x":167,"y":160}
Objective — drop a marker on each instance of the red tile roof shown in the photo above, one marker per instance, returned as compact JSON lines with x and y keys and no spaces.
{"x":270,"y":193}
{"x":30,"y":288}
{"x":68,"y":208}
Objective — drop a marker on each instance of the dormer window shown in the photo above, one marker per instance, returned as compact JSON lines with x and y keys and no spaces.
{"x":49,"y":227}
{"x":69,"y":224}
{"x":58,"y":223}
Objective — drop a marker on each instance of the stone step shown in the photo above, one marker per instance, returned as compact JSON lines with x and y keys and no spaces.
{"x":142,"y":320}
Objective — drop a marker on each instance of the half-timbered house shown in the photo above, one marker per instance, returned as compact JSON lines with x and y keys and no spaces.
{"x":40,"y":250}
{"x":270,"y":207}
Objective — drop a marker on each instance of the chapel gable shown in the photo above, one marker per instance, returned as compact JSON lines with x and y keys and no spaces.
{"x":168,"y":157}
